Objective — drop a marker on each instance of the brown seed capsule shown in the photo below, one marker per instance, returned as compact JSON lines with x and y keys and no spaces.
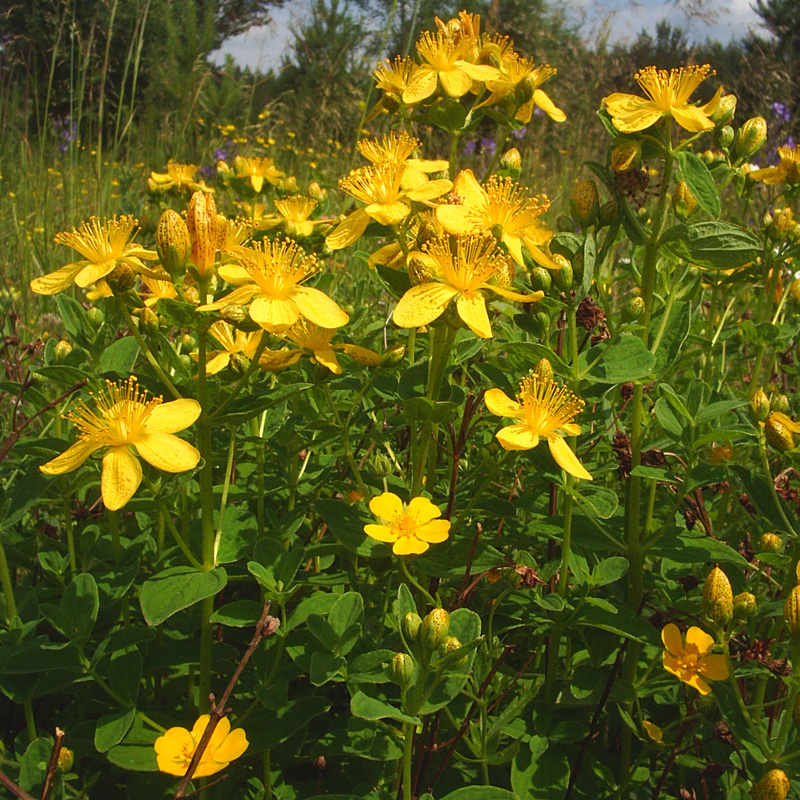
{"x":778,"y":435}
{"x":791,"y":610}
{"x":718,"y":597}
{"x":774,"y":785}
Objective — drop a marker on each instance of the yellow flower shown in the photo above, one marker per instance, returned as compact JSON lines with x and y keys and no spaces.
{"x":787,"y":171}
{"x":271,"y":275}
{"x":501,"y":208}
{"x":543,"y":408}
{"x":690,"y":658}
{"x":177,"y":176}
{"x":393,"y":77}
{"x":387,"y":202}
{"x":318,"y":340}
{"x":234,"y":342}
{"x":252,"y":171}
{"x":443,"y":61}
{"x":401,"y":149}
{"x":653,"y":731}
{"x":462,"y":275}
{"x":667,"y":96}
{"x":411,"y":529}
{"x":126,"y":417}
{"x":175,"y":749}
{"x":523,"y":77}
{"x":293,"y":215}
{"x":105,"y":245}
{"x":158,"y":290}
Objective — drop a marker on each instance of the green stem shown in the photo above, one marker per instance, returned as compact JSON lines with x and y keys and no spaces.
{"x":176,"y":534}
{"x":242,"y":382}
{"x":410,"y":579}
{"x":7,"y":583}
{"x":225,"y":487}
{"x":268,"y":795}
{"x":30,"y":722}
{"x":408,"y":751}
{"x":145,"y":348}
{"x":754,"y":731}
{"x":788,"y":708}
{"x":762,"y":449}
{"x":345,"y":437}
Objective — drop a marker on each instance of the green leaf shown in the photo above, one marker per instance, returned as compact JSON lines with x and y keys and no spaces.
{"x":609,"y":570}
{"x":74,"y":317}
{"x":345,"y":619}
{"x":347,"y":527}
{"x":448,"y":114}
{"x":135,"y":752}
{"x":714,"y":245}
{"x":480,"y":793}
{"x":624,"y":359}
{"x":285,"y":720}
{"x":111,"y":729}
{"x":366,"y":707}
{"x":178,"y":588}
{"x":537,"y":778}
{"x":324,"y":667}
{"x":238,"y":614}
{"x":602,"y":500}
{"x":694,"y":171}
{"x":124,"y":674}
{"x":79,"y":605}
{"x":33,"y":764}
{"x":623,"y":623}
{"x":119,"y":358}
{"x":396,"y":280}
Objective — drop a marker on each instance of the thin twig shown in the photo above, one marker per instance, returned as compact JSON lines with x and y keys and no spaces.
{"x":52,"y":765}
{"x":14,"y":789}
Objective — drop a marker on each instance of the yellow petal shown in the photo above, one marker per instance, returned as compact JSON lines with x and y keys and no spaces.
{"x":122,"y":474}
{"x":696,"y":682}
{"x":672,"y":639}
{"x":541,"y":99}
{"x":787,"y":422}
{"x":218,"y":737}
{"x":234,"y":746}
{"x":274,"y":314}
{"x":697,"y":637}
{"x":472,"y":309}
{"x":167,"y":452}
{"x":388,"y":213}
{"x":434,"y":532}
{"x":455,"y":82}
{"x":257,"y":181}
{"x":517,"y":437}
{"x":232,"y":273}
{"x":671,"y":664}
{"x":71,"y":458}
{"x":499,"y":403}
{"x":200,"y":726}
{"x":455,"y":219}
{"x":429,"y":190}
{"x":348,"y":231}
{"x":360,"y":354}
{"x":237,"y":297}
{"x":479,"y":72}
{"x":466,"y":185}
{"x":715,"y":667}
{"x":92,"y":273}
{"x":423,"y":510}
{"x":565,"y":458}
{"x":531,"y":297}
{"x":422,"y":304}
{"x":318,"y":308}
{"x":636,"y":117}
{"x":409,"y":546}
{"x":177,"y":415}
{"x":514,"y":245}
{"x":692,"y":119}
{"x":58,"y":281}
{"x":421,"y":86}
{"x":217,"y":362}
{"x":386,"y":506}
{"x":327,"y":358}
{"x":380,"y":532}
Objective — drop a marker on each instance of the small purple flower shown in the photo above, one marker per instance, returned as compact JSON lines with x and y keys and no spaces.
{"x":790,"y":142}
{"x":220,"y":154}
{"x":469,"y":147}
{"x":207,"y":172}
{"x":519,"y":134}
{"x":488,"y":144}
{"x":780,"y":112}
{"x":538,"y":111}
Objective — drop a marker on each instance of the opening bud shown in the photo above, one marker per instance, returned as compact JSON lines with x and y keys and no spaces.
{"x":63,"y":349}
{"x":633,"y":309}
{"x":434,"y":629}
{"x":511,"y":162}
{"x":524,"y":90}
{"x":96,"y":317}
{"x":626,"y":155}
{"x":563,"y":278}
{"x":148,"y":321}
{"x":448,"y":646}
{"x":66,"y":758}
{"x":724,"y":111}
{"x":751,"y":137}
{"x":779,"y":403}
{"x":770,"y":543}
{"x":393,"y":356}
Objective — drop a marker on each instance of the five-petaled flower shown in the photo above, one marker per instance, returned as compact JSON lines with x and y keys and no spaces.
{"x":786,"y":171}
{"x":667,"y":96}
{"x":125,"y":417}
{"x":410,"y":529}
{"x":690,"y":658}
{"x":543,"y":408}
{"x":175,"y":749}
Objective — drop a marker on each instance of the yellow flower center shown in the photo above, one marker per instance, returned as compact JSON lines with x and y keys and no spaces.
{"x":546,"y":405}
{"x":392,"y":76}
{"x":404,"y":526}
{"x":439,"y":51}
{"x":99,"y":241}
{"x":276,"y":267}
{"x":508,"y":206}
{"x":390,"y":148}
{"x":379,"y":185}
{"x":673,"y":88}
{"x":475,"y":261}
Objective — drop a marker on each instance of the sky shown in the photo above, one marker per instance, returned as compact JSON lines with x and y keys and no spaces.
{"x":262,"y":47}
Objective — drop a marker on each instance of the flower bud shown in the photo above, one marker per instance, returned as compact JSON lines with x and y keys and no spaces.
{"x":381,"y":465}
{"x":744,"y":605}
{"x":433,"y":630}
{"x":724,"y":111}
{"x":121,"y":279}
{"x":544,"y":369}
{"x":683,"y":201}
{"x":234,"y":314}
{"x":774,"y":785}
{"x":769,"y":543}
{"x":393,"y":356}
{"x":316,"y":191}
{"x":390,"y":102}
{"x":419,"y":271}
{"x":633,"y":309}
{"x":791,"y":610}
{"x":66,"y":758}
{"x":63,"y":349}
{"x":759,"y":405}
{"x":511,"y":162}
{"x":626,"y":155}
{"x":148,"y":321}
{"x":239,"y":363}
{"x":751,"y":137}
{"x":448,"y":646}
{"x":784,"y":221}
{"x":778,"y":435}
{"x":96,"y":317}
{"x":563,"y":277}
{"x":609,"y":213}
{"x":718,"y":597}
{"x":410,"y":626}
{"x":540,"y":324}
{"x":201,"y":222}
{"x":524,"y":90}
{"x":779,"y":403}
{"x":541,"y":279}
{"x":724,"y":137}
{"x":187,"y":342}
{"x":288,"y":184}
{"x":584,"y":202}
{"x":173,"y":244}
{"x":402,"y":669}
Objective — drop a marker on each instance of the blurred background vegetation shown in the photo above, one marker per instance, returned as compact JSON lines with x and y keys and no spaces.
{"x":96,"y":93}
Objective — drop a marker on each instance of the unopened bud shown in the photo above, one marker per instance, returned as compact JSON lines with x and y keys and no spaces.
{"x":751,"y":137}
{"x":724,"y":112}
{"x":148,"y":321}
{"x":234,"y":314}
{"x":289,"y":184}
{"x":381,"y":465}
{"x":544,"y":369}
{"x":633,"y":309}
{"x":419,"y":271}
{"x":791,"y":610}
{"x":188,"y":342}
{"x":63,"y":349}
{"x":778,"y":435}
{"x":173,"y":244}
{"x":511,"y":162}
{"x":411,"y":624}
{"x":564,"y":276}
{"x":784,"y":221}
{"x":433,"y":630}
{"x":724,"y":137}
{"x":524,"y":90}
{"x":718,"y":597}
{"x":769,"y":543}
{"x":609,"y":213}
{"x":626,"y":155}
{"x":774,"y":785}
{"x":744,"y":605}
{"x":683,"y":201}
{"x":759,"y":405}
{"x":779,"y":403}
{"x":393,"y":356}
{"x":66,"y":758}
{"x":584,"y":202}
{"x":540,"y":324}
{"x":121,"y":279}
{"x":541,"y":279}
{"x":402,"y":669}
{"x":390,"y":102}
{"x":201,"y":222}
{"x":448,"y":646}
{"x":96,"y":317}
